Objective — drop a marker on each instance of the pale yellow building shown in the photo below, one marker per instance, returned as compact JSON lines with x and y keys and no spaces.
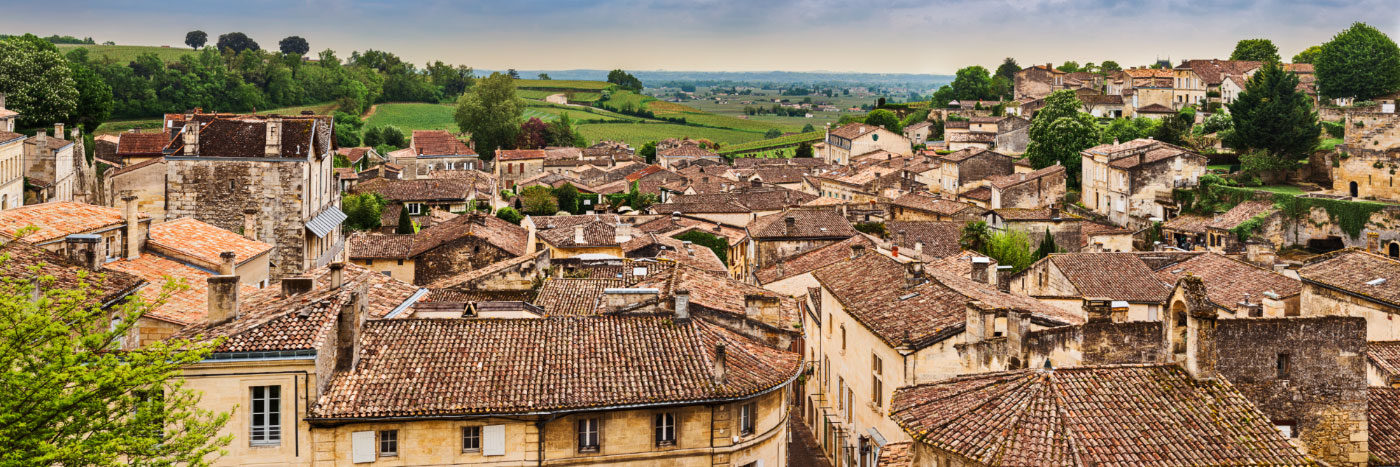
{"x":1131,"y":182}
{"x":1354,"y":282}
{"x":851,"y":140}
{"x":11,"y":169}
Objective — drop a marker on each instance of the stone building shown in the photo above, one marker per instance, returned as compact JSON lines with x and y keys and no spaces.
{"x":436,"y":150}
{"x":1028,"y":190}
{"x":268,"y":177}
{"x":514,"y":165}
{"x":671,"y":158}
{"x":1131,"y":182}
{"x":55,"y":168}
{"x":963,"y":169}
{"x":1357,"y":283}
{"x":11,"y":169}
{"x":848,"y":141}
{"x":1038,"y":81}
{"x":1370,"y":152}
{"x":785,"y":234}
{"x":462,"y":244}
{"x":924,"y":206}
{"x":123,"y":232}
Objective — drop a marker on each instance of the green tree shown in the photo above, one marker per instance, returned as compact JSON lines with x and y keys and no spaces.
{"x":510,"y":215}
{"x":405,"y":222}
{"x":1011,"y":248}
{"x":1273,"y":116}
{"x":373,"y":137}
{"x":1360,"y":62}
{"x":196,"y":39}
{"x":648,"y":152}
{"x":972,"y":83}
{"x":633,"y":198}
{"x":363,"y":210}
{"x":940,"y":98}
{"x":1257,"y":50}
{"x":539,"y":200}
{"x":73,"y":397}
{"x":347,"y":129}
{"x":883,"y":118}
{"x":1173,"y":128}
{"x":36,"y":80}
{"x":452,"y":80}
{"x":294,"y":45}
{"x":808,"y":128}
{"x":1059,"y":131}
{"x":1123,"y":129}
{"x":237,"y":42}
{"x":1008,"y":68}
{"x":1109,"y":66}
{"x":625,"y":80}
{"x":1047,"y":246}
{"x":772,"y":133}
{"x":1308,"y":55}
{"x":393,"y":136}
{"x":491,"y":113}
{"x":974,"y":236}
{"x":94,"y":97}
{"x":568,"y":198}
{"x":804,"y":149}
{"x":561,"y":133}
{"x":1069,"y":67}
{"x":543,"y":76}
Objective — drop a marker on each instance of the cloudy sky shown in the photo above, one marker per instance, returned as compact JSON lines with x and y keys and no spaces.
{"x":898,"y":36}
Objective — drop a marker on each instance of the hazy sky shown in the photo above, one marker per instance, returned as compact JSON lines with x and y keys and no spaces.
{"x":907,"y":36}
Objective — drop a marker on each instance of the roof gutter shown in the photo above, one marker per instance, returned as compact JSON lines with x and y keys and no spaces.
{"x":785,"y":383}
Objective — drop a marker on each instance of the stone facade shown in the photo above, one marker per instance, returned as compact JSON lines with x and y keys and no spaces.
{"x":145,"y":181}
{"x":1367,"y":160}
{"x":1130,"y":191}
{"x":454,"y":257}
{"x":12,"y":172}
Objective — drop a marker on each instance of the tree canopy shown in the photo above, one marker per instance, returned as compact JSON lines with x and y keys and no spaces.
{"x":1360,"y":62}
{"x":1059,"y":131}
{"x":1308,"y":55}
{"x":37,"y":81}
{"x":196,"y":39}
{"x":236,"y":42}
{"x":1008,"y":68}
{"x":74,"y":398}
{"x":883,"y":118}
{"x":973,"y":83}
{"x":1257,"y":50}
{"x":625,"y":80}
{"x":294,"y":45}
{"x":1273,"y":116}
{"x":491,"y":113}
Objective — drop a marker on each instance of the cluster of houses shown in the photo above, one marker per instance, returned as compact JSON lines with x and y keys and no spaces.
{"x":757,"y":305}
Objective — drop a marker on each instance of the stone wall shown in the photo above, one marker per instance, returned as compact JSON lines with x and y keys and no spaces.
{"x":982,"y":166}
{"x":218,"y":191}
{"x":1320,"y":384}
{"x":455,"y":257}
{"x":1041,"y":192}
{"x":147,"y":184}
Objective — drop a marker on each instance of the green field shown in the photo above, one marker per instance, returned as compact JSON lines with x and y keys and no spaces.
{"x":409,"y":116}
{"x":560,"y":84}
{"x":637,"y":134}
{"x":781,"y":142}
{"x":1285,"y":189}
{"x":128,"y":53}
{"x":573,"y":96}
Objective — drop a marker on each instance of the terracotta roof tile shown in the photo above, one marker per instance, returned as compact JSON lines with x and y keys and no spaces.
{"x":201,"y":241}
{"x":718,"y":292}
{"x":929,"y":202}
{"x":1212,"y":72}
{"x":1092,"y":416}
{"x":372,"y":245}
{"x":21,"y":261}
{"x":496,"y":232}
{"x":1386,"y":356}
{"x":466,"y":278}
{"x":1353,"y":271}
{"x":519,"y":154}
{"x":1240,"y":213}
{"x":981,"y":193}
{"x":141,"y":143}
{"x":1187,"y":223}
{"x":686,"y":150}
{"x":896,"y":455}
{"x":434,"y":367}
{"x":184,"y":307}
{"x":807,"y":223}
{"x":423,"y":189}
{"x":1228,"y":281}
{"x":1008,"y":181}
{"x":854,"y":130}
{"x":1116,"y":276}
{"x":595,"y":234}
{"x":935,"y":238}
{"x":1383,"y":419}
{"x":58,"y":219}
{"x":438,"y":143}
{"x":573,"y":297}
{"x":812,"y":260}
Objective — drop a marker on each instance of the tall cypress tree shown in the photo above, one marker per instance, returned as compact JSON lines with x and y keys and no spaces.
{"x":1272,"y":115}
{"x":405,"y":222}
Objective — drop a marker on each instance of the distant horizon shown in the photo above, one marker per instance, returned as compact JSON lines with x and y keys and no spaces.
{"x":936,"y":37}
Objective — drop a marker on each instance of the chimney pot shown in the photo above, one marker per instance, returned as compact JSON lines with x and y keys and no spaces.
{"x":227,"y":263}
{"x":58,"y":130}
{"x":337,"y":275}
{"x":682,"y":298}
{"x":250,"y":224}
{"x":721,"y":364}
{"x":133,"y":245}
{"x":85,"y":249}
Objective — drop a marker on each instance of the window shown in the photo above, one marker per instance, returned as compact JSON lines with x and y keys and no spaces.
{"x":666,"y":429}
{"x":877,"y":383}
{"x":267,"y":415}
{"x":471,"y":438}
{"x":588,"y":435}
{"x":843,"y":338}
{"x":400,"y":262}
{"x":826,"y":373}
{"x":1287,"y":428}
{"x":415,"y":208}
{"x":746,"y":415}
{"x":850,"y":397}
{"x":1282,"y":366}
{"x":388,"y":443}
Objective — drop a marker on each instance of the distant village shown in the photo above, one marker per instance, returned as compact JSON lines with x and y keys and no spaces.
{"x":933,"y":295}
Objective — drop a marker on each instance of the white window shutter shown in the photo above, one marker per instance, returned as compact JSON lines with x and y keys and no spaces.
{"x":493,"y":440}
{"x":362,"y":447}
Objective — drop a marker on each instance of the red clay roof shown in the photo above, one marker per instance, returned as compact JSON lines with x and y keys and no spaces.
{"x":183,"y":307}
{"x":1383,"y":421}
{"x":519,"y":154}
{"x":196,"y":239}
{"x":58,"y":219}
{"x":1353,"y":271}
{"x":1228,"y":281}
{"x":438,"y":143}
{"x":1115,"y":276}
{"x":141,"y":143}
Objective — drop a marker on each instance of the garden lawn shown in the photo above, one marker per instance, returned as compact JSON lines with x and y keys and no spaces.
{"x":408,"y":116}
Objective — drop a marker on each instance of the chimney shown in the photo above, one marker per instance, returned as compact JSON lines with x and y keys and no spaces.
{"x":756,"y":183}
{"x":981,"y":267}
{"x":617,"y":299}
{"x":790,"y":223}
{"x":980,"y":323}
{"x":1200,"y":329}
{"x":578,"y":234}
{"x":913,"y":272}
{"x":293,"y":286}
{"x":85,"y":249}
{"x":58,"y":130}
{"x":347,"y":331}
{"x":42,"y":138}
{"x":918,"y":249}
{"x":682,"y":298}
{"x":721,"y":364}
{"x":1054,"y":212}
{"x":1373,"y":242}
{"x":1098,"y":310}
{"x":191,"y":136}
{"x":337,"y":275}
{"x":223,"y":298}
{"x":133,"y":245}
{"x":1018,"y":324}
{"x":1273,"y":305}
{"x":273,"y":147}
{"x":857,"y":251}
{"x":250,"y":224}
{"x":227,"y":263}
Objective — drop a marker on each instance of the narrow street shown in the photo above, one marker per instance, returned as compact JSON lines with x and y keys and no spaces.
{"x":803,"y":450}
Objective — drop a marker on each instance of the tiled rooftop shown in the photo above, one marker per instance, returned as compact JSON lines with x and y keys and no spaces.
{"x":1354,"y":271}
{"x":21,"y":260}
{"x":183,"y":307}
{"x":1383,"y":420}
{"x":573,"y":297}
{"x":437,"y":367}
{"x":423,"y":189}
{"x":807,"y":223}
{"x":928,"y":202}
{"x":1229,"y":282}
{"x":1116,"y":276}
{"x":1130,"y":415}
{"x":812,"y":260}
{"x":439,"y":143}
{"x":58,"y":219}
{"x":204,"y":242}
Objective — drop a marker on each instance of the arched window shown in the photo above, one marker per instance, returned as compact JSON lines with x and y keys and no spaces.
{"x":1394,"y":250}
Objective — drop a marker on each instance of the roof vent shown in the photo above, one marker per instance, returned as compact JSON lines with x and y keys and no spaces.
{"x":1377,"y":281}
{"x":908,"y":296}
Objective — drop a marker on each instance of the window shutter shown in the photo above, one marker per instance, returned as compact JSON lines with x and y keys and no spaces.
{"x":493,"y":440}
{"x":758,"y":463}
{"x":362,"y":447}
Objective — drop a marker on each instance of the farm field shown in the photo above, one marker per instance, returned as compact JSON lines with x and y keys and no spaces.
{"x":574,"y":96}
{"x":409,"y":116}
{"x":787,"y":142}
{"x":550,"y":112}
{"x":637,"y":134}
{"x":128,"y":53}
{"x":560,"y":84}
